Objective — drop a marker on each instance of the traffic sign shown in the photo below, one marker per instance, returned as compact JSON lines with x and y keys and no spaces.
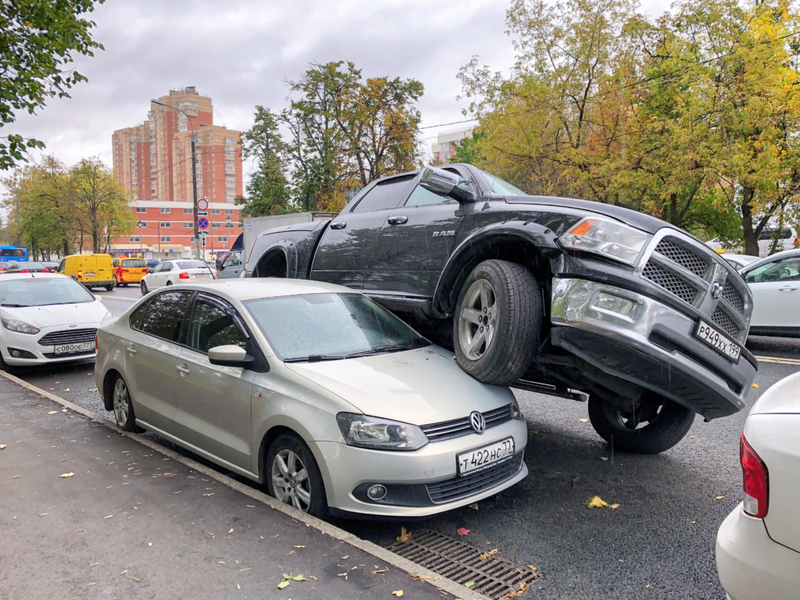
{"x":202,"y":223}
{"x":203,"y":241}
{"x":202,"y":213}
{"x":202,"y":204}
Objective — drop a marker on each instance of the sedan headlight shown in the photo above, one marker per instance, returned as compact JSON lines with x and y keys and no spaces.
{"x":609,"y":238}
{"x":19,"y":326}
{"x":379,"y":434}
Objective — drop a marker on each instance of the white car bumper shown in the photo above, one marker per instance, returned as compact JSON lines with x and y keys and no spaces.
{"x":420,"y":483}
{"x":751,"y":566}
{"x":22,"y":349}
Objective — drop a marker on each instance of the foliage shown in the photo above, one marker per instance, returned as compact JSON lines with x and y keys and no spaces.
{"x":37,"y":42}
{"x":467,"y":150}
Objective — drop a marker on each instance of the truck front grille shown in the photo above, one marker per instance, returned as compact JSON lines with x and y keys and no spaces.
{"x":690,"y":261}
{"x":670,"y":282}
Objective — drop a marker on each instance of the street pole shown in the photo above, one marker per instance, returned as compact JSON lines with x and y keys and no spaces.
{"x":159,"y":238}
{"x":211,"y":226}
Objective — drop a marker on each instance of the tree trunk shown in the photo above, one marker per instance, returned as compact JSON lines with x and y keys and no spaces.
{"x":750,"y":237}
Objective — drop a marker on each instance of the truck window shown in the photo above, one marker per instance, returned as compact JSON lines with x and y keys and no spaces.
{"x":385,"y":195}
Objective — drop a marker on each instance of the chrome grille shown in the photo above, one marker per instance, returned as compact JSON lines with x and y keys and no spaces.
{"x":462,"y":487}
{"x":437,"y":432}
{"x":722,"y":320}
{"x":68,"y":336}
{"x":669,"y":281}
{"x":689,"y":260}
{"x":732,"y":295}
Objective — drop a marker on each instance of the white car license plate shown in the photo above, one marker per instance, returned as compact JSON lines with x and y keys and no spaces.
{"x":73,"y":348}
{"x":719,"y":341}
{"x":477,"y":460}
{"x":202,"y":275}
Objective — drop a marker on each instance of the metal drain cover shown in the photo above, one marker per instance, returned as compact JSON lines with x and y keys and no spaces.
{"x":494,"y":577}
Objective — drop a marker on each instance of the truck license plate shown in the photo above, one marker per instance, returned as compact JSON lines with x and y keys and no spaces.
{"x":719,"y":341}
{"x":73,"y":348}
{"x":477,"y":460}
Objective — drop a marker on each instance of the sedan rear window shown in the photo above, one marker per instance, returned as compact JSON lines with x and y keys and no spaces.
{"x":329,"y":326}
{"x":192,"y":264}
{"x":42,"y":292}
{"x":165,"y":314}
{"x":133,"y":264}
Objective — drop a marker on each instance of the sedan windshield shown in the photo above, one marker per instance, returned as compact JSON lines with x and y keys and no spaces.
{"x":191,"y":264}
{"x":314,"y":327}
{"x":42,"y":292}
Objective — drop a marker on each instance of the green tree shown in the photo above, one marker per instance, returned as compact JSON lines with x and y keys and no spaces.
{"x":38,"y":39}
{"x":468,"y":151}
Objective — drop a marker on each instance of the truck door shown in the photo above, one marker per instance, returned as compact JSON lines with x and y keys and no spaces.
{"x":343,"y":253}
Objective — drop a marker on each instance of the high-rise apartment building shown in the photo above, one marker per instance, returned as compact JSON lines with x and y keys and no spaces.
{"x":153,"y":160}
{"x":445,"y":147}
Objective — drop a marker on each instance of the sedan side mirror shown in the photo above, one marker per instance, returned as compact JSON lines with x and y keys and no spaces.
{"x":150,"y":270}
{"x":444,"y":183}
{"x":230,"y":356}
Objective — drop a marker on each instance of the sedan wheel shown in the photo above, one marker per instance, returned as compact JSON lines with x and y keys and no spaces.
{"x":143,"y":287}
{"x":123,"y":408}
{"x":294,"y":476}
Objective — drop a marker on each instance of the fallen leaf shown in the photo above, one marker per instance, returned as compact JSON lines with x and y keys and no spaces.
{"x":2,"y":446}
{"x":92,"y":389}
{"x":647,"y":586}
{"x":535,"y":431}
{"x":52,"y":412}
{"x":295,"y":546}
{"x":149,"y":544}
{"x":469,"y":584}
{"x":583,"y":420}
{"x":63,"y":410}
{"x":345,"y":557}
{"x":231,"y":531}
{"x":613,"y":506}
{"x":404,"y":535}
{"x":283,"y":584}
{"x":397,"y":593}
{"x":719,"y":498}
{"x":596,"y":502}
{"x":65,"y":475}
{"x":462,"y":531}
{"x":488,"y":555}
{"x":300,"y":577}
{"x":755,"y":385}
{"x":474,"y":506}
{"x":129,"y":577}
{"x":66,"y":390}
{"x":523,"y":586}
{"x":108,"y":517}
{"x":238,"y":587}
{"x":378,"y":571}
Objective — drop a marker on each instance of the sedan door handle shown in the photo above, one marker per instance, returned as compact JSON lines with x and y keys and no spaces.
{"x":788,"y":288}
{"x":338,"y":225}
{"x":397,"y":220}
{"x":131,"y":349}
{"x":182,"y":369}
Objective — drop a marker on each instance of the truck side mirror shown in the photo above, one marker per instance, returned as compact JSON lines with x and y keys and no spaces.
{"x":445,"y":183}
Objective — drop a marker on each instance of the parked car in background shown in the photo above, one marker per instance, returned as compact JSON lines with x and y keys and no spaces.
{"x":314,"y":390}
{"x":51,"y":265}
{"x":172,"y":271}
{"x":230,"y":265}
{"x":787,"y":239}
{"x":151,"y":263}
{"x":212,"y":265}
{"x":27,"y":267}
{"x":47,"y":318}
{"x":129,"y":270}
{"x":758,"y":544}
{"x":92,"y":270}
{"x":740,"y":261}
{"x":555,"y":295}
{"x":775,"y":284}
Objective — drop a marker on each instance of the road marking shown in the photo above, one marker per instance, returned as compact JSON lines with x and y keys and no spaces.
{"x":403,"y":564}
{"x":776,"y":359}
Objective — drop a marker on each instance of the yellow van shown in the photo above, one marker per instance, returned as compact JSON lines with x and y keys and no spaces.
{"x":92,"y":270}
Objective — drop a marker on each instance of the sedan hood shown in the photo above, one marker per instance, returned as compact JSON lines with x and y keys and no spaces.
{"x":419,"y":386}
{"x":58,"y":314}
{"x":781,"y":398}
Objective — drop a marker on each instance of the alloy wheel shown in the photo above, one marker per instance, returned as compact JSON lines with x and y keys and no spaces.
{"x":121,"y":402}
{"x":647,"y":413}
{"x":477,"y":321}
{"x":290,"y":480}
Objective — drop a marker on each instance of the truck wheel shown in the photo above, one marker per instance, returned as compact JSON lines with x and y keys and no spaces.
{"x":497,"y":322}
{"x":656,"y":425}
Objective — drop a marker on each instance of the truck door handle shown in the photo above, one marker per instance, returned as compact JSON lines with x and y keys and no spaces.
{"x":338,"y":225}
{"x":397,"y":220}
{"x":182,"y":369}
{"x":131,"y":350}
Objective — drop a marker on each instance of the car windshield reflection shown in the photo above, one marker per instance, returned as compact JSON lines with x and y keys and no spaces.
{"x":42,"y":292}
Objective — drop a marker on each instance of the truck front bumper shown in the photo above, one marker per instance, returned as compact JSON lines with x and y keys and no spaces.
{"x":633,"y":337}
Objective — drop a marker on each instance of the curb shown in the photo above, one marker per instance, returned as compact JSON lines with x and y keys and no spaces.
{"x":403,"y":564}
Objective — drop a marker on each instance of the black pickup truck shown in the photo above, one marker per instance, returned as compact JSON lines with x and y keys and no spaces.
{"x":561,"y":296}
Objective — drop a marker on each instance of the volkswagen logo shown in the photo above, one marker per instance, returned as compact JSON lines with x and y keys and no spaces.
{"x":477,"y":421}
{"x":716,"y":290}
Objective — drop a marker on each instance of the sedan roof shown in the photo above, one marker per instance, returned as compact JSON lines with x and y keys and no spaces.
{"x":9,"y":276}
{"x":264,"y":287}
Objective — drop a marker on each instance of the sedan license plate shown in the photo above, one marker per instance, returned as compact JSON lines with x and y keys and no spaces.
{"x":73,"y":348}
{"x":719,"y":341}
{"x":477,"y":460}
{"x":203,"y":275}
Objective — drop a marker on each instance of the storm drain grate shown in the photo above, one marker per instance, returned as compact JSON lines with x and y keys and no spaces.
{"x":494,"y":577}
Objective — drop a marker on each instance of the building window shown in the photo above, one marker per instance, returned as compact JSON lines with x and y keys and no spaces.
{"x":187,"y":225}
{"x":166,"y":238}
{"x":229,"y":225}
{"x":166,"y":224}
{"x":229,"y":141}
{"x":230,"y":196}
{"x":228,"y":211}
{"x":165,"y":211}
{"x":135,"y":238}
{"x":187,"y":211}
{"x":223,"y":238}
{"x":141,"y":209}
{"x":216,"y":225}
{"x":215,"y":211}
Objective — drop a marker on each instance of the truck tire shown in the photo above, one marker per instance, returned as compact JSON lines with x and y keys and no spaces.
{"x":497,"y":322}
{"x":657,"y":425}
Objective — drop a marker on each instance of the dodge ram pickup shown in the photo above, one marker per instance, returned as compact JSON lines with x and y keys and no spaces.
{"x":566,"y":297}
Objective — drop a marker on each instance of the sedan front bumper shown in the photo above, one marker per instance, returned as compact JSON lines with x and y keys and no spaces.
{"x":420,"y":483}
{"x":649,"y":344}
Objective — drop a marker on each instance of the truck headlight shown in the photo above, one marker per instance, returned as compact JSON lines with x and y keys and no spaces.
{"x":609,"y":238}
{"x":379,"y":434}
{"x":19,"y":326}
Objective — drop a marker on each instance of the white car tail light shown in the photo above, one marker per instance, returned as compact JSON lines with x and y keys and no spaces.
{"x":755,"y":479}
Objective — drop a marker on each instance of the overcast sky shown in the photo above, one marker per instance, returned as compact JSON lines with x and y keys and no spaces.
{"x":241,"y":53}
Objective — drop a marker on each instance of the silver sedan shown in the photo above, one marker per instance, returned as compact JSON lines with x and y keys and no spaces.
{"x":314,"y":390}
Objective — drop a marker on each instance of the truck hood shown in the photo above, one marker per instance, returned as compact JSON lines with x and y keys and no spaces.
{"x":781,"y":398}
{"x":419,"y":386}
{"x":58,"y":315}
{"x":626,"y":215}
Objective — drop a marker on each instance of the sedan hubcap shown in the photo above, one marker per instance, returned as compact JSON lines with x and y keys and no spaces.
{"x":290,"y":480}
{"x":121,"y":402}
{"x":478,"y":320}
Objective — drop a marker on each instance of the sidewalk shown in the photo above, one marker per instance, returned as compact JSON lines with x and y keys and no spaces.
{"x":130,"y":523}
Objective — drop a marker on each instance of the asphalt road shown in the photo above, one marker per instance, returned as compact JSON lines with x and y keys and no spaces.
{"x":659,"y":542}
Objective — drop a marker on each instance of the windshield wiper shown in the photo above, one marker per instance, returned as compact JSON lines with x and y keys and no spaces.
{"x":314,"y":358}
{"x":17,"y":305}
{"x":419,"y":343}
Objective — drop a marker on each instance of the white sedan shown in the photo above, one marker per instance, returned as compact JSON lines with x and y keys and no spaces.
{"x":316,"y":391}
{"x":775,"y":284}
{"x":758,"y":544}
{"x":47,"y":318}
{"x":170,"y":272}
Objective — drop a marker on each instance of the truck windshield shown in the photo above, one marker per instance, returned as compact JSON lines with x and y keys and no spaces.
{"x":501,"y":187}
{"x":314,"y":327}
{"x":42,"y":292}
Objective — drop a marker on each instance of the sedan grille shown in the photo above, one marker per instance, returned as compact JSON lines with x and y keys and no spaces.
{"x":437,"y":432}
{"x":68,"y":336}
{"x":463,"y":487}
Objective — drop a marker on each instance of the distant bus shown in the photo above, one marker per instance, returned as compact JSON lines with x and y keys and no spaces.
{"x":13,"y":254}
